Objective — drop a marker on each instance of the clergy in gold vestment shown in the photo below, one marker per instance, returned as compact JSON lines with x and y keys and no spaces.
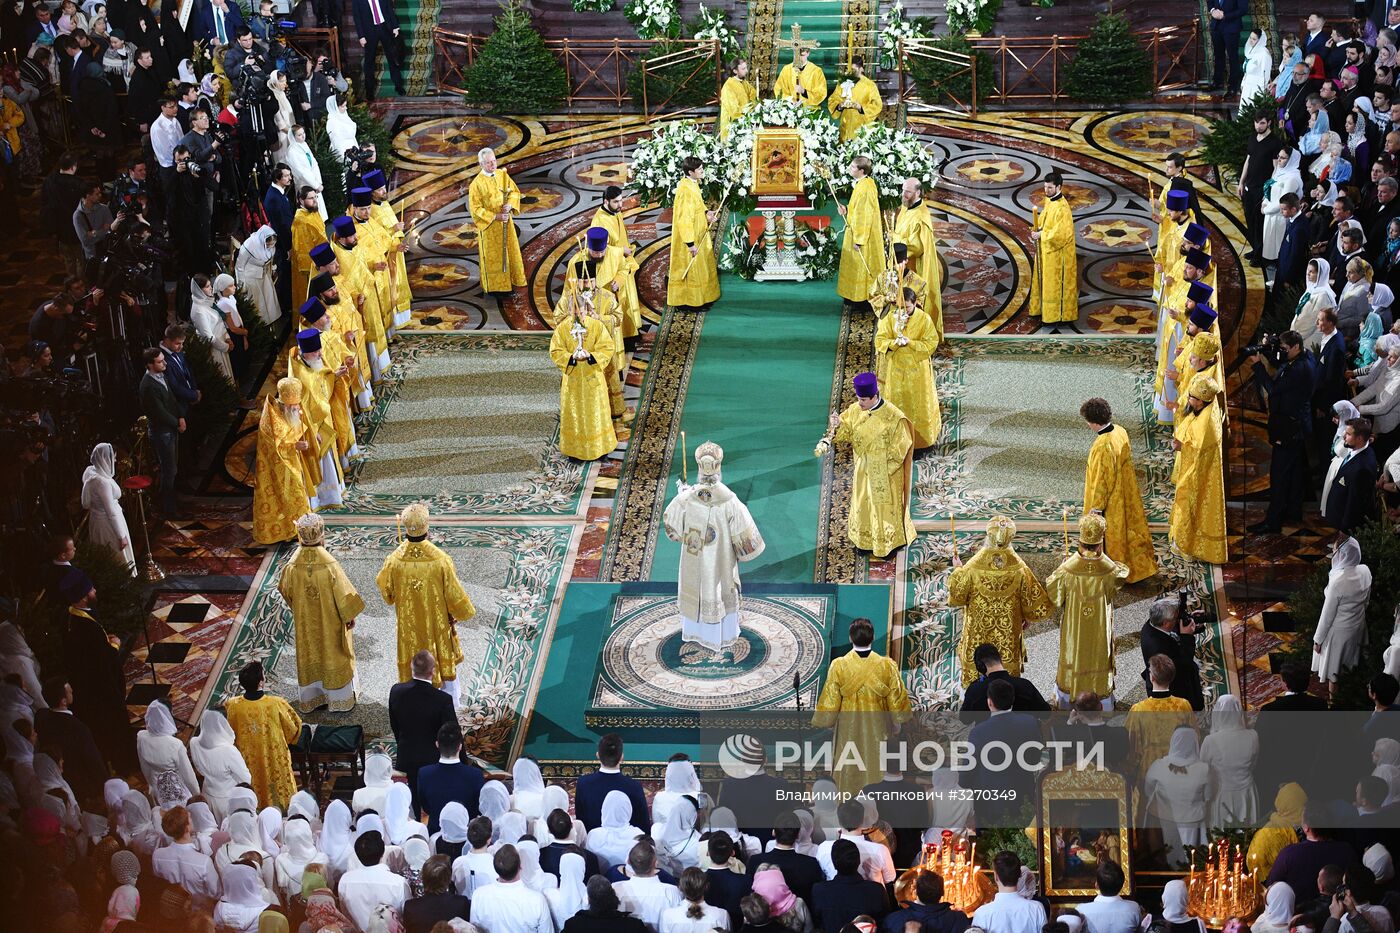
{"x":595,"y":280}
{"x":378,"y":252}
{"x":1111,"y":488}
{"x":421,"y":583}
{"x":863,"y":250}
{"x":349,"y":327}
{"x":494,"y":201}
{"x":865,"y":701}
{"x":904,"y":345}
{"x":355,"y":282}
{"x":800,"y":80}
{"x":580,"y":348}
{"x":1198,"y":358}
{"x":324,"y":605}
{"x":263,"y":726}
{"x":333,"y":365}
{"x":304,"y":364}
{"x":1083,"y":586}
{"x":394,"y":232}
{"x":1186,"y":314}
{"x":1198,"y":510}
{"x":610,"y":218}
{"x":285,"y":482}
{"x":913,"y":229}
{"x":1176,"y":213}
{"x":1055,"y":278}
{"x":736,"y":96}
{"x":1000,"y":596}
{"x":308,"y":231}
{"x":882,"y":442}
{"x":855,"y":102}
{"x":1152,"y":721}
{"x":692,"y":281}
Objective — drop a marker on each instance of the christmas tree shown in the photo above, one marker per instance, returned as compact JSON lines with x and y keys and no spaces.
{"x":1110,"y":65}
{"x":515,"y":72}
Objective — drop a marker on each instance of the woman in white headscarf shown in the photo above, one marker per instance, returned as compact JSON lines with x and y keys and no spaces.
{"x":494,"y":801}
{"x":1258,"y":66}
{"x":1231,"y":750}
{"x":113,"y":790}
{"x":557,"y":798}
{"x":243,"y":901}
{"x":722,"y":818}
{"x":339,"y":127}
{"x":1286,"y":179}
{"x":165,"y":764}
{"x":1176,"y":908}
{"x":257,"y":259}
{"x":1342,"y":624}
{"x":825,"y":798}
{"x":370,"y":822}
{"x":528,"y":788}
{"x":306,"y":171}
{"x":243,"y":837}
{"x":203,"y":826}
{"x":451,"y":837}
{"x":135,"y":828}
{"x":510,"y":828}
{"x":288,"y":867}
{"x":1317,"y":296}
{"x":185,"y":71}
{"x":398,"y":815}
{"x":534,"y":877}
{"x":270,"y":830}
{"x":50,"y":778}
{"x":303,"y":804}
{"x":19,"y":751}
{"x":379,"y":774}
{"x":615,"y":836}
{"x":952,"y":810}
{"x":570,"y":896}
{"x":681,"y":781}
{"x":209,"y":323}
{"x":1278,"y":910}
{"x":678,"y":843}
{"x":243,"y":798}
{"x":1177,"y":786}
{"x":336,"y":836}
{"x":1377,"y":858}
{"x":16,"y":657}
{"x":102,"y":498}
{"x":284,"y":118}
{"x":219,"y":760}
{"x":1382,"y":298}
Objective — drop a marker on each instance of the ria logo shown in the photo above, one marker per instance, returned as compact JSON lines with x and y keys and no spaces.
{"x":741,"y":756}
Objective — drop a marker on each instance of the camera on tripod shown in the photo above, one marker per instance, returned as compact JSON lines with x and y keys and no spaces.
{"x":1269,"y":347}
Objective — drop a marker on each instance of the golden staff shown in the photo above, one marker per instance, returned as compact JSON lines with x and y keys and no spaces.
{"x":685,"y":457}
{"x":709,"y":228}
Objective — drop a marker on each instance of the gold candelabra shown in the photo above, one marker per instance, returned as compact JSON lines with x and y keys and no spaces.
{"x":1224,"y":887}
{"x":955,"y":861}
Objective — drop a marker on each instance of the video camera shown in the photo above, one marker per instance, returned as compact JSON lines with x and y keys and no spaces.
{"x":1185,"y":615}
{"x":359,"y":156}
{"x":1269,"y":347}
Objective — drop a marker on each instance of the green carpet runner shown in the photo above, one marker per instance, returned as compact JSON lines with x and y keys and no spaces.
{"x":760,"y":388}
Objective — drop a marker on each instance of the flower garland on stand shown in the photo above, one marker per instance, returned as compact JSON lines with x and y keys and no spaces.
{"x":714,"y":24}
{"x":737,"y":255}
{"x":966,"y":16}
{"x":818,"y":253}
{"x":895,"y":156}
{"x":655,"y":170}
{"x":654,"y":19}
{"x":894,"y":27}
{"x":593,"y":6}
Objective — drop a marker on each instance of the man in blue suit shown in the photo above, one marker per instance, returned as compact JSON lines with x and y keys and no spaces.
{"x":1290,"y":389}
{"x":1349,"y":491}
{"x":1314,"y":41}
{"x":277,"y":203}
{"x":451,"y":779}
{"x":592,"y":788}
{"x":1329,"y":380}
{"x":1010,"y":787}
{"x":1226,"y":21}
{"x":178,"y":374}
{"x":218,"y":22}
{"x":1293,"y":250}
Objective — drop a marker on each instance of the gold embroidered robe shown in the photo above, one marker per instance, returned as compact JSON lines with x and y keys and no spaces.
{"x":421,"y":583}
{"x":1055,"y":279}
{"x":855,"y":280}
{"x":812,"y":80}
{"x":1083,"y":586}
{"x":882,"y":441}
{"x":1198,"y":509}
{"x":262,"y":730}
{"x":1000,"y":596}
{"x":913,"y":227}
{"x":323,"y":602}
{"x":1111,"y":486}
{"x":308,"y":232}
{"x":627,"y":297}
{"x":284,"y":485}
{"x":498,"y":243}
{"x":865,"y":98}
{"x":863,"y":699}
{"x":735,"y":99}
{"x":585,"y":415}
{"x":906,"y":372}
{"x":691,"y":281}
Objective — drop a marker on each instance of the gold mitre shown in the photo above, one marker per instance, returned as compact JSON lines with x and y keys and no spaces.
{"x":289,"y":391}
{"x":311,"y":529}
{"x":1205,"y":346}
{"x":1204,"y":388}
{"x":1092,"y":528}
{"x":709,"y":456}
{"x":1000,"y":531}
{"x":415,"y":520}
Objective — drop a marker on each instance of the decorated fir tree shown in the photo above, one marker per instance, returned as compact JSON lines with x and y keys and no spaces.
{"x":1110,"y":65}
{"x":515,"y":72}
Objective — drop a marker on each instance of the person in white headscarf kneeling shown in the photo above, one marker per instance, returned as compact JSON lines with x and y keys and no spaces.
{"x":1176,"y":788}
{"x":164,"y":762}
{"x":101,"y":496}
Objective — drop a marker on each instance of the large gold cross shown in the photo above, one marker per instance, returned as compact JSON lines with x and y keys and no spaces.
{"x":796,"y":43}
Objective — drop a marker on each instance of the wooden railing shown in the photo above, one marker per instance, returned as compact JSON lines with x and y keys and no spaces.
{"x":312,"y":41}
{"x":597,"y":68}
{"x":1031,"y":69}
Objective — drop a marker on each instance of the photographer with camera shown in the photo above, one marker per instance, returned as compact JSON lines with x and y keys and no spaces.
{"x":1287,"y":378}
{"x":311,"y":90}
{"x":192,"y":210}
{"x":1171,"y":630}
{"x":243,"y":62}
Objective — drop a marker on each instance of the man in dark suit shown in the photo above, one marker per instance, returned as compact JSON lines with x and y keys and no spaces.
{"x":1349,"y":491}
{"x":165,"y":422}
{"x":417,"y":712}
{"x":1293,"y":250}
{"x":560,"y":844}
{"x":83,"y":766}
{"x":752,"y":800}
{"x":801,"y":872}
{"x":277,"y":202}
{"x":378,"y":25}
{"x":178,"y":374}
{"x":1378,"y":219}
{"x":987,"y":658}
{"x":218,"y":22}
{"x":1165,"y":632}
{"x":1314,"y":40}
{"x":1290,"y":389}
{"x":1226,"y":20}
{"x":1012,"y":786}
{"x":929,"y":911}
{"x":1329,"y":376}
{"x":592,"y":788}
{"x":837,"y":902}
{"x":41,"y":23}
{"x":450,"y":779}
{"x":1383,"y":691}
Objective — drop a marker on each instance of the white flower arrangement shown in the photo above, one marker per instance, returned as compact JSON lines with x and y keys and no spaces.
{"x":655,"y":169}
{"x":893,"y":27}
{"x":593,"y":6}
{"x":818,"y":253}
{"x":964,"y":14}
{"x":714,"y":24}
{"x":895,"y":156}
{"x":821,"y":141}
{"x":654,"y":19}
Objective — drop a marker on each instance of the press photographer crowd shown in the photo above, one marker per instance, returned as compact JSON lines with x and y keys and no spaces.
{"x":168,"y":156}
